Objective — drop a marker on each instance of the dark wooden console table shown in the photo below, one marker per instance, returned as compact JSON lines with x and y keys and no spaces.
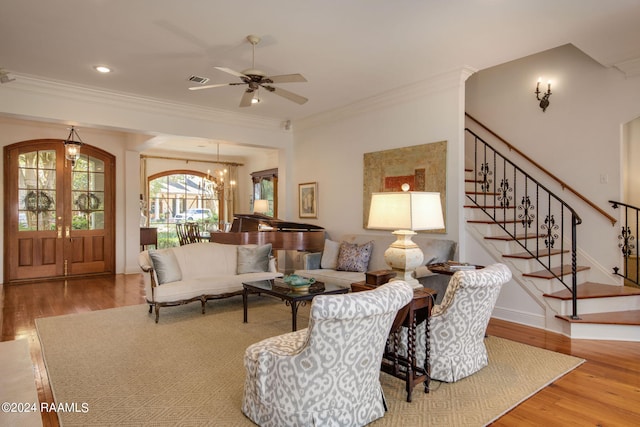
{"x":409,"y":316}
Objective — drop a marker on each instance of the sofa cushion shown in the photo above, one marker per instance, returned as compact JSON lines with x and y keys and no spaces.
{"x":354,"y":257}
{"x":330,"y":254}
{"x":253,"y":259}
{"x":166,"y":266}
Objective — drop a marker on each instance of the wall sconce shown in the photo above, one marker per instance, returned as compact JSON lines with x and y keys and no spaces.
{"x":72,"y":147}
{"x":544,"y":101}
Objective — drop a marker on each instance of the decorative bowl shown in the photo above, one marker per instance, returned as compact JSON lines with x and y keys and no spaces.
{"x":299,"y":283}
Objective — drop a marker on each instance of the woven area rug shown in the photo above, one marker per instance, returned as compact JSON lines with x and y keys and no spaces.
{"x":188,"y":370}
{"x":17,"y":385}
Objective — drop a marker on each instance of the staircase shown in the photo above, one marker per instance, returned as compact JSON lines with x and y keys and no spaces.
{"x":602,"y":308}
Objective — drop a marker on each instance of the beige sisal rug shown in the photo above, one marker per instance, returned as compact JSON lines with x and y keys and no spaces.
{"x":187,"y":369}
{"x":18,"y":392}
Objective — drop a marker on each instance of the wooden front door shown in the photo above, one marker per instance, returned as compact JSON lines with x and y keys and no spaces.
{"x":58,"y":219}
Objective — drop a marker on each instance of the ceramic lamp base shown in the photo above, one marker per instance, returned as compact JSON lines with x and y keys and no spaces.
{"x":404,"y":256}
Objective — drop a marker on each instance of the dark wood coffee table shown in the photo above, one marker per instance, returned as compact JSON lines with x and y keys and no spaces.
{"x":278,"y":288}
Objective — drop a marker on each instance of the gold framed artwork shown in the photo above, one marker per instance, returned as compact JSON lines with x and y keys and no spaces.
{"x":308,"y":200}
{"x":423,"y":167}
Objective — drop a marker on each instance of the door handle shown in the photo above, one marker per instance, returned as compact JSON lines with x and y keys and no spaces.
{"x":68,"y":232}
{"x":59,"y":232}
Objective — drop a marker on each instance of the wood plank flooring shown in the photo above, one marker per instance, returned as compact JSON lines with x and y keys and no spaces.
{"x":604,"y":391}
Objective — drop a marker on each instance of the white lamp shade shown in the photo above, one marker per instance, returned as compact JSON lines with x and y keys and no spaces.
{"x":260,"y":206}
{"x":407,"y":210}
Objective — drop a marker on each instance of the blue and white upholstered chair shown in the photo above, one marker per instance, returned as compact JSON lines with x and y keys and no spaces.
{"x":329,"y":373}
{"x":459,"y":322}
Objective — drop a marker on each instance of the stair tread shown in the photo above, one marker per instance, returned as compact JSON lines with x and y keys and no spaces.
{"x":483,"y":193}
{"x":507,"y":237}
{"x":596,"y":290}
{"x":488,"y":207}
{"x":558,"y":271}
{"x":631,"y":317}
{"x":527,"y":255}
{"x":490,"y":221}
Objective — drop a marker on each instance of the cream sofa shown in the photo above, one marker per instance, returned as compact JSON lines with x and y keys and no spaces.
{"x":202,"y":271}
{"x":435,"y":250}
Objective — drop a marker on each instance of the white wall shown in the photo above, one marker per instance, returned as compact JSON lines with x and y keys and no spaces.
{"x":330,"y":149}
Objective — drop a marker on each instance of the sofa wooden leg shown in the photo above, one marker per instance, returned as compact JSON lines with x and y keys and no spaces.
{"x":150,"y":308}
{"x":203,"y":301}
{"x":157,"y":313}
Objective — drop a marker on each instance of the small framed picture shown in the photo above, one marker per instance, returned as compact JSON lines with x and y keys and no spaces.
{"x":308,"y":200}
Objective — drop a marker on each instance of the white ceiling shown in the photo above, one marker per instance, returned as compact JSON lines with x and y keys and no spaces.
{"x":348,"y":50}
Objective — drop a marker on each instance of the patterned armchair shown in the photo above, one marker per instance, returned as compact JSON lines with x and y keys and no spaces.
{"x":329,"y":373}
{"x":459,"y":322}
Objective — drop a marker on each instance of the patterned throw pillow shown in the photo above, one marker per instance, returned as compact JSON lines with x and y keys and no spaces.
{"x":354,"y":257}
{"x":166,"y":266}
{"x":253,"y":259}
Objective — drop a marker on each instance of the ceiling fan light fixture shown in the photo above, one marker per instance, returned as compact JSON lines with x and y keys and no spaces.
{"x":102,"y":69}
{"x":256,"y":79}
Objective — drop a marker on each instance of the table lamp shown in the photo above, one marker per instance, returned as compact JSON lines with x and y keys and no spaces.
{"x":405,"y":212}
{"x":261,"y":206}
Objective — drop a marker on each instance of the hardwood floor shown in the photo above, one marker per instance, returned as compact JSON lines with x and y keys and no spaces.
{"x":604,"y":391}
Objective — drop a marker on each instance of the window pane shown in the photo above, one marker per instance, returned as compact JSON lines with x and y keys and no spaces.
{"x":96,"y":181}
{"x":37,"y":190}
{"x":82,"y":164}
{"x":47,"y":220}
{"x":27,"y":178}
{"x":96,"y":165}
{"x":47,"y":159}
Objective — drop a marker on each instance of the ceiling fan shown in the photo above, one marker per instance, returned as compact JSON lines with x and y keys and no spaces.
{"x":256,"y":79}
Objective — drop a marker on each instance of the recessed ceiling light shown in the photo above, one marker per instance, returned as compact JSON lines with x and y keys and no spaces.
{"x":255,"y":100}
{"x":102,"y":69}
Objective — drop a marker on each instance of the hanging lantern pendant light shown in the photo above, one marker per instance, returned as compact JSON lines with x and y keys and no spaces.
{"x":72,"y":147}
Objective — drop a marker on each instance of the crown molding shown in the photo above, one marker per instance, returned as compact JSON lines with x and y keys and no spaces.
{"x":134,"y":103}
{"x":400,"y":95}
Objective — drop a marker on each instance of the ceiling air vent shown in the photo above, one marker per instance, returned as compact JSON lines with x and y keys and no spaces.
{"x":197,"y":79}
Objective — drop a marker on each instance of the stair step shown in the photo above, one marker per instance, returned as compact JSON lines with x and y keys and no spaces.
{"x":509,"y":238}
{"x":556,"y":271}
{"x":489,"y":207}
{"x":481,"y":193}
{"x":595,"y":290}
{"x":490,"y":221}
{"x":542,"y":254}
{"x":631,"y":317}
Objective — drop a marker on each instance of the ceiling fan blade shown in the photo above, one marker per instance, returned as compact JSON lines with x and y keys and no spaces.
{"x":209,"y":86}
{"x":245,"y":101}
{"x":230,"y":71}
{"x":286,"y":94}
{"x":287,"y":78}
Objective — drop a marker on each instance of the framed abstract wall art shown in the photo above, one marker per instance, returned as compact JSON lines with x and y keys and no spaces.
{"x":423,"y":167}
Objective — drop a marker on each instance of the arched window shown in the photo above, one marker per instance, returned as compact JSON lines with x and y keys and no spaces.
{"x":184,"y":196}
